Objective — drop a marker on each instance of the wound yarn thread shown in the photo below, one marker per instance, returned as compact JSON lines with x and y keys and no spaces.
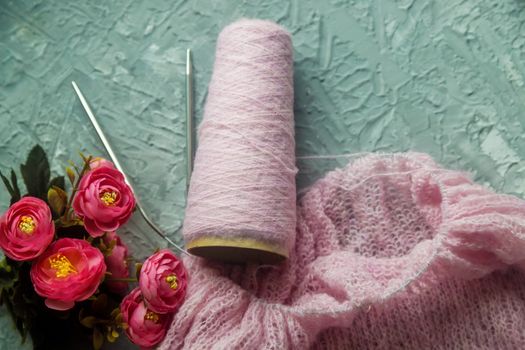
{"x":243,"y":183}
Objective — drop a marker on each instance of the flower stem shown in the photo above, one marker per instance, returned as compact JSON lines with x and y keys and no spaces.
{"x":122,"y":280}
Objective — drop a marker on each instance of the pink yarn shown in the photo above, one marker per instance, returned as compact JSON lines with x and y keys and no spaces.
{"x":392,"y":252}
{"x":243,"y":183}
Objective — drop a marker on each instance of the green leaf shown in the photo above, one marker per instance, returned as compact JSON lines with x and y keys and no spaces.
{"x":8,"y":275}
{"x":99,"y":305}
{"x":98,"y":339}
{"x":36,"y":172}
{"x":7,"y":185}
{"x":57,"y":199}
{"x":59,"y":182}
{"x":71,"y":175}
{"x":20,"y":302}
{"x":89,"y":321}
{"x":22,"y":328}
{"x":14,"y":182}
{"x":138,"y":267}
{"x":12,"y":187}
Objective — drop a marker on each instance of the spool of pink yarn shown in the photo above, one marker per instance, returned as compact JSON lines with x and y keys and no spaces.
{"x":241,"y":201}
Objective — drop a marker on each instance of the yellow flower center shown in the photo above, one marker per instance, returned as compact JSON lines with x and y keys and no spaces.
{"x":172,"y":281}
{"x":27,"y":225}
{"x":109,"y":198}
{"x":62,"y":266}
{"x":151,"y":316}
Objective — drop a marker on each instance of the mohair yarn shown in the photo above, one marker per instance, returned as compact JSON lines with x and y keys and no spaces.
{"x":243,"y":183}
{"x":392,"y":252}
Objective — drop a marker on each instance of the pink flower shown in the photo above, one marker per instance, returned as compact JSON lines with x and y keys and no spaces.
{"x":117,"y":263}
{"x":26,"y":229}
{"x":163,"y":282}
{"x":98,"y":162}
{"x":104,"y":201}
{"x":145,"y":327}
{"x":69,"y":270}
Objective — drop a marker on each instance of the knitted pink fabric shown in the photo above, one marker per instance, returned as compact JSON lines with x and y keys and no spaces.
{"x":391,"y":252}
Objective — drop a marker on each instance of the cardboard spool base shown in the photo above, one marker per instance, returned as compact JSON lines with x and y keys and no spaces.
{"x":239,"y":250}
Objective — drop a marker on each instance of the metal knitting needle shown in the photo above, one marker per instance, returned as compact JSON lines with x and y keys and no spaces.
{"x":189,"y":118}
{"x":115,"y":161}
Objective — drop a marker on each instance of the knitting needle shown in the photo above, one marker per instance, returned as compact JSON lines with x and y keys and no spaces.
{"x":189,"y":118}
{"x":115,"y":161}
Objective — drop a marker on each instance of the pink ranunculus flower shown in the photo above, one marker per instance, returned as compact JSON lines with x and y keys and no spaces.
{"x":104,"y":201}
{"x":163,"y":281}
{"x":117,"y":263}
{"x":26,"y":229}
{"x":146,"y":328}
{"x":69,"y":270}
{"x":98,"y":162}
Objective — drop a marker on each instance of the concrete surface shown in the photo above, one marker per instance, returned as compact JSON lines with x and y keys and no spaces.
{"x":443,"y":77}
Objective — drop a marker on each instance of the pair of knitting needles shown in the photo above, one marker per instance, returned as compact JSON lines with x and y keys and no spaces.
{"x":189,"y":145}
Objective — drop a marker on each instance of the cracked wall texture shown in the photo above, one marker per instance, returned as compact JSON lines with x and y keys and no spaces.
{"x":442,"y":77}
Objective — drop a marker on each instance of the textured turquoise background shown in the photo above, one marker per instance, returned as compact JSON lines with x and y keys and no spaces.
{"x":443,"y":77}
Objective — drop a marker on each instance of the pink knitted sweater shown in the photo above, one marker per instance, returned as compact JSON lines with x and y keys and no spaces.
{"x":392,"y":252}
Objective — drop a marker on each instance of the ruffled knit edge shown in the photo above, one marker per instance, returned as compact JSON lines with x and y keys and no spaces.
{"x":479,"y":232}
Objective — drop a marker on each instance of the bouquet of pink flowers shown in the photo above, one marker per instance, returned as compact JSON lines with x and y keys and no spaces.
{"x":65,"y":262}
